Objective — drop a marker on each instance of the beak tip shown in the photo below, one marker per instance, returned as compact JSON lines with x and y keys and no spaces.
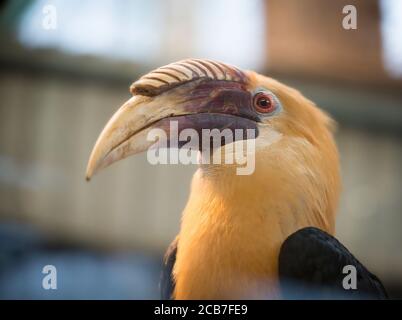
{"x":89,"y":174}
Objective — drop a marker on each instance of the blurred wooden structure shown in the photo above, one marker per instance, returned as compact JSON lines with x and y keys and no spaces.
{"x":307,"y":38}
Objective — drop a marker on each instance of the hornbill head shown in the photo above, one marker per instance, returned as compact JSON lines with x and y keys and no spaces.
{"x":292,"y":136}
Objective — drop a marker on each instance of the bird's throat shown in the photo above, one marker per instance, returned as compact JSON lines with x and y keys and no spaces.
{"x":233,"y":226}
{"x":227,"y":249}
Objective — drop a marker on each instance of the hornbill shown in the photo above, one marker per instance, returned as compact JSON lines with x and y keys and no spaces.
{"x":268,"y":234}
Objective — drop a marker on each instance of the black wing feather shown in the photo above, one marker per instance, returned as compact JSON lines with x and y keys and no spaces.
{"x":167,"y":281}
{"x":310,"y":266}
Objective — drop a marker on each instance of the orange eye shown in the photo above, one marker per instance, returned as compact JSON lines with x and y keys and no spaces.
{"x":264,"y":103}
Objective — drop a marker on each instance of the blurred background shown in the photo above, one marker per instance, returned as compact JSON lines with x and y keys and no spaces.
{"x":66,"y":67}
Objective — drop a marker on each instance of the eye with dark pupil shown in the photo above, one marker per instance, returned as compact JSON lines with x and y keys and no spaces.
{"x":263,"y":103}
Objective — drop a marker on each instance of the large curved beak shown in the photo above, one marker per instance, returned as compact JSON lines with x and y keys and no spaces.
{"x":199,"y":104}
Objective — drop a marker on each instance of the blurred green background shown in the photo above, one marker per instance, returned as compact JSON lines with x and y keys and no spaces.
{"x":66,"y":67}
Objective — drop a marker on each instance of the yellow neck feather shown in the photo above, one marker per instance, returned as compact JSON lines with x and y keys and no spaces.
{"x":233,"y":226}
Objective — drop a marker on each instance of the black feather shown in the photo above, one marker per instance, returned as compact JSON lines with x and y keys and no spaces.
{"x":310,"y":266}
{"x":167,"y":281}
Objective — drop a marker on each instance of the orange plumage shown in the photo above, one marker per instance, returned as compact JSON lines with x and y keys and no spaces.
{"x":234,"y":225}
{"x":238,"y":223}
